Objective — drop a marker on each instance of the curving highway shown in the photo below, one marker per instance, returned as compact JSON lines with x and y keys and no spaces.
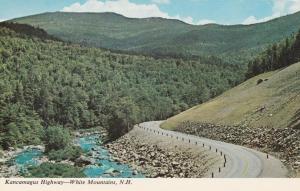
{"x":236,"y":161}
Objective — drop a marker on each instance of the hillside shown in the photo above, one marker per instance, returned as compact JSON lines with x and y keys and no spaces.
{"x":275,"y":102}
{"x":53,"y":83}
{"x":163,"y":37}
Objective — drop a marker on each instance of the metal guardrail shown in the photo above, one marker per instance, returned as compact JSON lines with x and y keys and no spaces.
{"x":190,"y":142}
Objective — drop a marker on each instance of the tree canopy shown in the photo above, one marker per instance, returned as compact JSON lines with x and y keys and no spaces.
{"x":49,"y":84}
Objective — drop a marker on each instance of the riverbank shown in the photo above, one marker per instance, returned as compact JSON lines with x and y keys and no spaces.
{"x":11,"y":170}
{"x":283,"y":143}
{"x":157,"y":156}
{"x":94,"y":161}
{"x":9,"y":158}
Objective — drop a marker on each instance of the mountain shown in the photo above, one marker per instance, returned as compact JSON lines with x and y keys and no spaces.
{"x":58,"y":84}
{"x":267,"y":100}
{"x":165,"y":37}
{"x":24,"y":29}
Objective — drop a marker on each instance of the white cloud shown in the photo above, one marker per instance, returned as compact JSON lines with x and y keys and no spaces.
{"x":295,"y":6}
{"x":1,"y":20}
{"x":280,"y":8}
{"x":129,"y":9}
{"x":123,"y":7}
{"x":253,"y":19}
{"x":205,"y":21}
{"x":161,"y":1}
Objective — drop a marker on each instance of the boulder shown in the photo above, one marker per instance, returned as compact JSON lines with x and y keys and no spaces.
{"x":112,"y":172}
{"x":83,"y":161}
{"x":134,"y":172}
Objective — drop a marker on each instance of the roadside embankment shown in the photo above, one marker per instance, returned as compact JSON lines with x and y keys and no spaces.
{"x":158,"y":156}
{"x":283,"y":143}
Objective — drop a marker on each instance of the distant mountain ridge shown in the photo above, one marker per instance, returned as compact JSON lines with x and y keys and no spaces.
{"x":24,"y":29}
{"x":165,"y":37}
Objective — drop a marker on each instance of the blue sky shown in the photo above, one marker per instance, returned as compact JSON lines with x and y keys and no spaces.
{"x":190,"y":11}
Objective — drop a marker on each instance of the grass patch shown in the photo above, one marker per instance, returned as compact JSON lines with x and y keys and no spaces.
{"x":241,"y":105}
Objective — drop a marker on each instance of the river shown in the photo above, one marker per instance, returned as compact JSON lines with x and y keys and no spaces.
{"x":103,"y":167}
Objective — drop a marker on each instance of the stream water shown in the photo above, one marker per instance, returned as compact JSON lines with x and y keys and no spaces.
{"x":103,"y":166}
{"x":27,"y":158}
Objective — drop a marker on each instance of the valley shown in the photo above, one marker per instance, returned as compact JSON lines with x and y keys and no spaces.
{"x":228,"y":95}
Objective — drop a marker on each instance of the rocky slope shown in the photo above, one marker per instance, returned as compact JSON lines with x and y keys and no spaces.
{"x":157,"y":156}
{"x":283,"y":143}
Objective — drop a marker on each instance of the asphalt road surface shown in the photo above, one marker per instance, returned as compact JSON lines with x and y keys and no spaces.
{"x":237,"y":161}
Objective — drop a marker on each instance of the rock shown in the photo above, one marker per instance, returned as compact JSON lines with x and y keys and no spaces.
{"x":142,"y":159}
{"x":98,"y":164}
{"x":13,"y":170}
{"x":112,"y":172}
{"x":83,"y":161}
{"x":152,"y":154}
{"x":163,"y":172}
{"x":67,"y":162}
{"x":77,"y":134}
{"x":116,"y":159}
{"x":90,"y":154}
{"x":134,"y":172}
{"x":155,"y":163}
{"x":142,"y":163}
{"x":284,"y":141}
{"x":43,"y":159}
{"x":175,"y":164}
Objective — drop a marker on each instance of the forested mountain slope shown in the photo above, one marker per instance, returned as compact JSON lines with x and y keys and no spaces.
{"x":48,"y":83}
{"x":163,"y":37}
{"x":268,"y":100}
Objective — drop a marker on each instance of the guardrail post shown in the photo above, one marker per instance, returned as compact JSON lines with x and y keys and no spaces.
{"x":221,"y":153}
{"x":203,"y":144}
{"x":267,"y":156}
{"x":216,"y":150}
{"x":189,"y":141}
{"x":219,"y":169}
{"x":212,"y":174}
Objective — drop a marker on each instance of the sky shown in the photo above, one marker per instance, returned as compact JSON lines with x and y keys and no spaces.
{"x":195,"y":12}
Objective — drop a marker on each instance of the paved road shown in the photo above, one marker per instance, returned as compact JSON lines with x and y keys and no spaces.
{"x":240,"y":162}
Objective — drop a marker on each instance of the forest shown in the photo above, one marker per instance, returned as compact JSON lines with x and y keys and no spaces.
{"x":51,"y":86}
{"x":159,"y":37}
{"x":276,"y":56}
